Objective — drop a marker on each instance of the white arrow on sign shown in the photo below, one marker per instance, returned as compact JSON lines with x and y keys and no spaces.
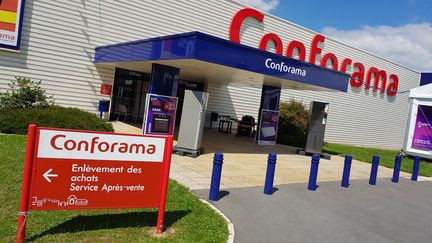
{"x":47,"y":175}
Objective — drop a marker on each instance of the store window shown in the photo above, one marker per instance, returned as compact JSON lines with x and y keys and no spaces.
{"x":130,"y":89}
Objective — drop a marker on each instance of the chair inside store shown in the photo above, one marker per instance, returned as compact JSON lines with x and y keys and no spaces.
{"x":122,"y":111}
{"x":246,"y":126}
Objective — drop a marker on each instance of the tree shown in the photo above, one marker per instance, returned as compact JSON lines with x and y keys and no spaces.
{"x":293,"y":120}
{"x":25,"y":93}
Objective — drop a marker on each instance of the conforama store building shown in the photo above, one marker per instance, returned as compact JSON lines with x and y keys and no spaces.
{"x":84,"y":51}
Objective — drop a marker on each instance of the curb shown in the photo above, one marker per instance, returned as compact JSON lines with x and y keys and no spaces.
{"x":230,"y":224}
{"x":421,"y":178}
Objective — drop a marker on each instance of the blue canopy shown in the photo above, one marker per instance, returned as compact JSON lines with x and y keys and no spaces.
{"x":215,"y":50}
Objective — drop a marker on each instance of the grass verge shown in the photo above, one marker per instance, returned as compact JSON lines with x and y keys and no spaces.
{"x":186,"y":218}
{"x":387,"y":157}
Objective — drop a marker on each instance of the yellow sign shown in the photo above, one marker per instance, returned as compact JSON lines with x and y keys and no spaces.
{"x":8,"y":17}
{"x":11,"y":12}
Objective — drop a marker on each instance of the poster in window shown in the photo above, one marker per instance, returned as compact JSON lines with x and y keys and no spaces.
{"x":267,"y":131}
{"x":11,"y":17}
{"x":422,"y":137}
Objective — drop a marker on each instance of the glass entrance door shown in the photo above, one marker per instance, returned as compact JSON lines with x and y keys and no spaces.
{"x":130,"y":88}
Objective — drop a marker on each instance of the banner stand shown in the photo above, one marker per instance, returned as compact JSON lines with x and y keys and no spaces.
{"x":268,"y":126}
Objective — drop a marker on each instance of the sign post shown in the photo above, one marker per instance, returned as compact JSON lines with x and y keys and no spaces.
{"x":164,"y":187}
{"x":78,"y":170}
{"x":23,"y":211}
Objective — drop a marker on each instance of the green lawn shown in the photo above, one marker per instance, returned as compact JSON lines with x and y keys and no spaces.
{"x":387,"y":157}
{"x":187,"y":219}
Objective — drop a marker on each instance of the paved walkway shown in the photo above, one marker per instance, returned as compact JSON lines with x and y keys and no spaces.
{"x":245,"y":163}
{"x":387,"y":212}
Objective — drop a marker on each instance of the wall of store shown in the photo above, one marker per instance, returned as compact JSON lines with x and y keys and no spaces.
{"x":59,"y":38}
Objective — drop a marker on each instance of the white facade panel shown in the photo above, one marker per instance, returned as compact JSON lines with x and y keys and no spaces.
{"x":59,"y":40}
{"x":234,"y":99}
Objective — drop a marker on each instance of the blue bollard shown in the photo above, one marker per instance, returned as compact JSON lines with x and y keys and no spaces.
{"x":313,"y":172}
{"x":346,"y":171}
{"x":396,"y":170}
{"x":374,"y":170}
{"x":271,"y":166}
{"x":216,"y":176}
{"x":416,"y":167}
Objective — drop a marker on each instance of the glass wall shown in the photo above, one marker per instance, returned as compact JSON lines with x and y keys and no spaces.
{"x":128,"y":102}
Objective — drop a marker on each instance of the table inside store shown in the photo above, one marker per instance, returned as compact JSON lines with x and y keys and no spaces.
{"x":225,"y":124}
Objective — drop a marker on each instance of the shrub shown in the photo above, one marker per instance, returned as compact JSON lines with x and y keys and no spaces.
{"x":293,"y":119}
{"x":16,"y":120}
{"x":25,"y":93}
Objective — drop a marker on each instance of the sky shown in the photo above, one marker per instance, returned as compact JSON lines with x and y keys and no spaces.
{"x":398,"y":30}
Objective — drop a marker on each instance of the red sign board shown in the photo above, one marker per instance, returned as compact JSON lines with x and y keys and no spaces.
{"x":106,"y":89}
{"x":75,"y":170}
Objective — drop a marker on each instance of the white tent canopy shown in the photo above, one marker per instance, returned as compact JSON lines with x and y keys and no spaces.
{"x":424,"y":92}
{"x":418,"y":132}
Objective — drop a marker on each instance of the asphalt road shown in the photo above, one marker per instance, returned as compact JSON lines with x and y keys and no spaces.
{"x":387,"y":212}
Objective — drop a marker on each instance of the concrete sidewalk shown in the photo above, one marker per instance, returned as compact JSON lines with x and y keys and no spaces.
{"x":245,"y":163}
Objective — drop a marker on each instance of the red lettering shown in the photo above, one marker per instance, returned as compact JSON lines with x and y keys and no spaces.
{"x":239,"y":17}
{"x":392,"y":88}
{"x":300,"y":47}
{"x":70,"y":145}
{"x":123,"y":148}
{"x":314,"y":48}
{"x":273,"y":37}
{"x":372,"y":71}
{"x":344,"y":64}
{"x":83,"y":143}
{"x":377,"y":75}
{"x":332,"y":57}
{"x":53,"y":140}
{"x":113,"y":146}
{"x":357,"y":77}
{"x":102,"y":146}
{"x":137,"y":148}
{"x":93,"y":144}
{"x":151,"y":149}
{"x":107,"y":146}
{"x":382,"y":75}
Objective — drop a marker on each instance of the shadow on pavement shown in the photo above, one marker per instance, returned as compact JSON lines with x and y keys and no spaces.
{"x":223,"y":194}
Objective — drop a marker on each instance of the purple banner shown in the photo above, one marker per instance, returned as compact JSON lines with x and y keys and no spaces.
{"x":160,"y":114}
{"x":422,"y":138}
{"x":267,"y":132}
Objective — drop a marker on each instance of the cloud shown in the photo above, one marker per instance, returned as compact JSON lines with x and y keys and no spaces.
{"x":409,"y":45}
{"x":264,"y":5}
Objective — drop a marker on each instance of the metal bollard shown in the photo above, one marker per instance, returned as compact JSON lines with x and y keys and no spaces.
{"x":374,"y":170}
{"x":396,"y":170}
{"x":313,"y":172}
{"x":271,"y":166}
{"x":416,"y":167}
{"x":346,"y":171}
{"x":216,"y":176}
